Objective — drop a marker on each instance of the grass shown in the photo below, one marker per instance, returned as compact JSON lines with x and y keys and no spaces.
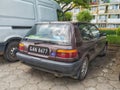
{"x":113,"y":39}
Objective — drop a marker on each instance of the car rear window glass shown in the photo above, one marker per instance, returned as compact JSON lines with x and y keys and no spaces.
{"x":51,"y":32}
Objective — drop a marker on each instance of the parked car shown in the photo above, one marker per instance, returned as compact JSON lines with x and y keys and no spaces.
{"x":62,"y":48}
{"x":17,"y":17}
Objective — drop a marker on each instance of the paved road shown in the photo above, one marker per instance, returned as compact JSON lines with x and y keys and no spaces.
{"x":102,"y":75}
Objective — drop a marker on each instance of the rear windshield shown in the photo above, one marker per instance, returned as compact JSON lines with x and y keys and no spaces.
{"x":58,"y":33}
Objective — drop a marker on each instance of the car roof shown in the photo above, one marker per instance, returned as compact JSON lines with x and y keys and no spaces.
{"x":64,"y":22}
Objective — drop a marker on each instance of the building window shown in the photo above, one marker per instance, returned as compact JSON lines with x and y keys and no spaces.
{"x":76,"y":10}
{"x":115,"y":7}
{"x":111,"y":26}
{"x":94,"y":1}
{"x":106,"y":1}
{"x":93,"y":16}
{"x":117,"y":25}
{"x":103,"y":17}
{"x":93,"y":8}
{"x":114,"y":16}
{"x":102,"y":25}
{"x":102,"y":8}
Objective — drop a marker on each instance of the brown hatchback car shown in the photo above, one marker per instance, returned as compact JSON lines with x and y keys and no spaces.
{"x":62,"y":48}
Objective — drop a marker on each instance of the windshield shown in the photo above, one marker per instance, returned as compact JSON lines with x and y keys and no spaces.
{"x":50,"y":32}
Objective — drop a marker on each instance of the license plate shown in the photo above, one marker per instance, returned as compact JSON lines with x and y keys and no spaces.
{"x":39,"y":50}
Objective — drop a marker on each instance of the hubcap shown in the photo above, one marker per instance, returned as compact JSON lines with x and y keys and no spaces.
{"x":12,"y":51}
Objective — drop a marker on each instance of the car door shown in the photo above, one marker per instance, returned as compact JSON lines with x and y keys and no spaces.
{"x":99,"y":41}
{"x":87,"y":46}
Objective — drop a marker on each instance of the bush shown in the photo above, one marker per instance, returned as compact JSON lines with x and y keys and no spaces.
{"x":113,"y":39}
{"x":118,"y":32}
{"x":84,"y":16}
{"x":68,"y":16}
{"x":109,"y":32}
{"x":65,"y":16}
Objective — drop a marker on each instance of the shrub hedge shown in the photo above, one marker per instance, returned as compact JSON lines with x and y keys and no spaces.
{"x":118,"y":31}
{"x":113,"y":36}
{"x":109,"y":32}
{"x":113,"y":39}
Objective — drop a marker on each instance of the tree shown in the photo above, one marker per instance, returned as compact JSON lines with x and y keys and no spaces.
{"x":67,"y":5}
{"x":68,"y":16}
{"x":84,"y":16}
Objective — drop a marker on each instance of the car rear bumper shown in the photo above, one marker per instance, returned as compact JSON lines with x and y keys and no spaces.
{"x":55,"y":67}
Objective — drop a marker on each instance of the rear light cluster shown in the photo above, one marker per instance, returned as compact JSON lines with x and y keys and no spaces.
{"x":21,"y":47}
{"x":67,"y":53}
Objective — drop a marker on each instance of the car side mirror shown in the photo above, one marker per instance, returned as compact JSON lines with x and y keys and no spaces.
{"x":103,"y":34}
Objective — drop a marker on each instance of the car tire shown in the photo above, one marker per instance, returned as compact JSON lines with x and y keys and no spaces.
{"x":83,"y":69}
{"x":9,"y":54}
{"x":104,"y":51}
{"x":119,"y":76}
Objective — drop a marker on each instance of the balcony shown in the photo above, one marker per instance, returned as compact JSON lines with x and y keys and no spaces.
{"x":115,"y":1}
{"x":94,"y":3}
{"x":102,"y":21}
{"x":114,"y":11}
{"x":114,"y":20}
{"x":102,"y":9}
{"x":94,"y":21}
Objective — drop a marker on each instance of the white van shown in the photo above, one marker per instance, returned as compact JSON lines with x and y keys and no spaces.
{"x":16,"y":19}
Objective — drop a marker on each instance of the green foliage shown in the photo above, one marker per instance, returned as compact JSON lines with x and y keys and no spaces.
{"x":84,"y":16}
{"x":113,"y":39}
{"x":108,"y":32}
{"x":68,"y":5}
{"x":60,"y":17}
{"x":68,"y":16}
{"x":112,"y":36}
{"x":76,"y":2}
{"x":118,"y":32}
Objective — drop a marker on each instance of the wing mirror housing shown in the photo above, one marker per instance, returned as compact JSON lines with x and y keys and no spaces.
{"x":103,"y":34}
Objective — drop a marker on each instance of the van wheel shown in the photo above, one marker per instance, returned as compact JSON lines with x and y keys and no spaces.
{"x":10,"y":54}
{"x":84,"y":69}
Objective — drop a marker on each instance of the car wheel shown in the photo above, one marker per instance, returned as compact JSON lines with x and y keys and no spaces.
{"x":10,"y":54}
{"x":84,"y":69}
{"x":104,"y":51}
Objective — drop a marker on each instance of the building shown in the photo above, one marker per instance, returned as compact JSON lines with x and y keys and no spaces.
{"x":75,"y":11}
{"x":106,"y":13}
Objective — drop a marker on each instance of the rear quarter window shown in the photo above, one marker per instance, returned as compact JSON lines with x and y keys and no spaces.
{"x":85,"y":32}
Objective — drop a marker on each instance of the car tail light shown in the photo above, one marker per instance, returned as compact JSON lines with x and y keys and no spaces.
{"x":67,"y":53}
{"x":21,"y":46}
